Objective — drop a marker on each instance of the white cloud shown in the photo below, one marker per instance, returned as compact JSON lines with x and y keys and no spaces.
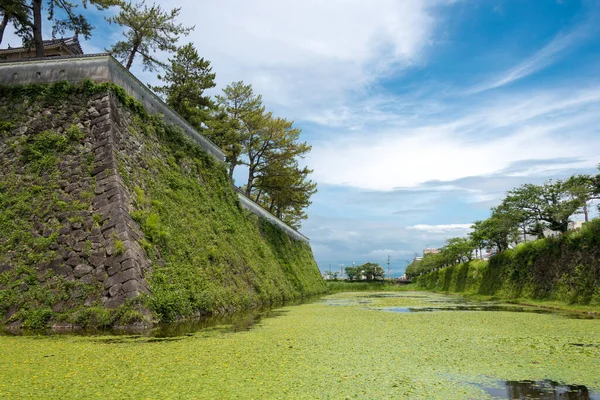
{"x":381,"y":254}
{"x":444,"y":228}
{"x":560,"y":44}
{"x":300,"y":53}
{"x":488,"y":139}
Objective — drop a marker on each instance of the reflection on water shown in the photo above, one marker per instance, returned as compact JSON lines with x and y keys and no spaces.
{"x":234,"y":323}
{"x":490,"y":307}
{"x":227,"y":323}
{"x":472,"y":307}
{"x":448,"y":303}
{"x":542,"y":390}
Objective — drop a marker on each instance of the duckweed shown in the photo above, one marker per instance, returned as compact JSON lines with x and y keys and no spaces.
{"x":352,"y":350}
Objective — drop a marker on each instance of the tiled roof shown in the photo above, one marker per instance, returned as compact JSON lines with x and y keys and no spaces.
{"x":71,"y":44}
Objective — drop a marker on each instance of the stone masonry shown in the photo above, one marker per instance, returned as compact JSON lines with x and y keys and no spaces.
{"x":97,"y":242}
{"x":122,"y":270}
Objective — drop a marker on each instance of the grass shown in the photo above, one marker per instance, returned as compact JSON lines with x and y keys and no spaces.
{"x":313,"y":351}
{"x":355,"y":286}
{"x":211,"y":256}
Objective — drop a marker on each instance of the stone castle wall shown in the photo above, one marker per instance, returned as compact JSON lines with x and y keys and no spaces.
{"x":96,"y":242}
{"x":104,"y":68}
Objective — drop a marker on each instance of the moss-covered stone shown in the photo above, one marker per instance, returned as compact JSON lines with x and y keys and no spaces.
{"x":100,"y":201}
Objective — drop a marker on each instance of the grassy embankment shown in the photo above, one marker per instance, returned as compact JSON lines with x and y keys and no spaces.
{"x":210,"y":256}
{"x":562,"y":272}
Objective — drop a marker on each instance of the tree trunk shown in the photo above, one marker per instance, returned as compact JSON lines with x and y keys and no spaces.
{"x":37,"y":28}
{"x":250,"y":182}
{"x":231,"y":168}
{"x":585,"y":206}
{"x":132,"y":56}
{"x":3,"y":26}
{"x":258,"y":196}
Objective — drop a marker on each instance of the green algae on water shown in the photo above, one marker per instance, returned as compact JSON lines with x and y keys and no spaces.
{"x":315,"y":351}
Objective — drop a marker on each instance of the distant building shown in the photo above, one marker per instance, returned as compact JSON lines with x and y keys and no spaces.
{"x":430,"y":251}
{"x":53,"y":48}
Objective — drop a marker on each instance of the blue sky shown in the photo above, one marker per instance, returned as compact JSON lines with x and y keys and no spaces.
{"x":421,"y":114}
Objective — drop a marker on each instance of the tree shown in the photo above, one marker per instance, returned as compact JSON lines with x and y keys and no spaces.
{"x":17,"y":13}
{"x":148,"y":29}
{"x":332,"y":274}
{"x":187,"y":77}
{"x":498,"y":231}
{"x":269,"y":147}
{"x":353,"y":273}
{"x":63,"y":14}
{"x":548,"y":206}
{"x":371,"y":271}
{"x":458,"y":250}
{"x":274,"y":140}
{"x":240,"y":114}
{"x":285,"y":190}
{"x":584,"y":188}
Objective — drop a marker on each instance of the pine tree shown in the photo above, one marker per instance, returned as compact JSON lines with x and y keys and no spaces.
{"x":187,"y":77}
{"x":63,"y":14}
{"x":148,"y":29}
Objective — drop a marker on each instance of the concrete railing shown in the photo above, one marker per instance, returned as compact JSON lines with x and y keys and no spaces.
{"x":251,"y":205}
{"x":104,"y":68}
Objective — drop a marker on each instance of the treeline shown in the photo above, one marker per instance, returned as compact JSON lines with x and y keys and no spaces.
{"x":529,"y":211}
{"x":269,"y":147}
{"x":563,"y":268}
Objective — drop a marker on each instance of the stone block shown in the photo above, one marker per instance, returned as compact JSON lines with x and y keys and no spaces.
{"x":102,"y":143}
{"x":115,"y":302}
{"x":100,"y":274}
{"x":132,"y":294}
{"x":97,"y":120}
{"x":74,"y":261}
{"x":80,"y":247}
{"x":131,"y":286}
{"x":129,"y":275}
{"x":113,"y":268}
{"x":113,"y":280}
{"x":79,"y":235}
{"x":127,"y":264}
{"x":81,"y":270}
{"x":71,"y":187}
{"x":116,"y":290}
{"x":100,"y":168}
{"x":97,"y":261}
{"x":88,"y":279}
{"x":127,"y":255}
{"x":63,"y":270}
{"x":93,"y":113}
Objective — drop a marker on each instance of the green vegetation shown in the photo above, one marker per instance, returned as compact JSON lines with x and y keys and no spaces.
{"x":369,"y":271}
{"x":26,"y":15}
{"x":342,"y":347}
{"x":147,"y":29}
{"x":215,"y":257}
{"x":210,"y":255}
{"x":269,"y":146}
{"x":361,"y":286}
{"x":526,"y":210}
{"x":33,"y":291}
{"x":563,"y":268}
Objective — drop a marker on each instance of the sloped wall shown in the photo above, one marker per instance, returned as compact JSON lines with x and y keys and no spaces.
{"x":110,"y":216}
